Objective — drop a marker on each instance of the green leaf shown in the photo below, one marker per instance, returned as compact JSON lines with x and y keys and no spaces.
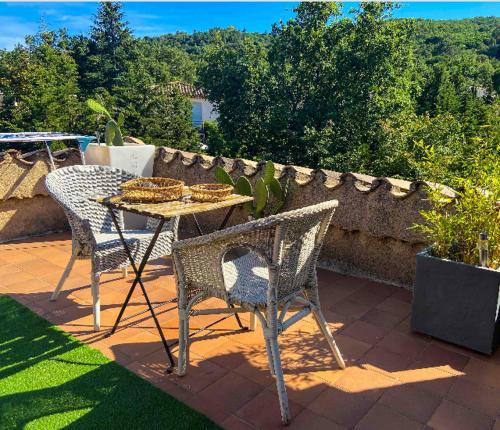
{"x":275,"y":188}
{"x":269,"y":171}
{"x":118,"y":139}
{"x":97,"y":107}
{"x":261,"y":197}
{"x":222,"y":176}
{"x":243,"y":187}
{"x":113,"y":134}
{"x":121,"y":119}
{"x":109,"y":133}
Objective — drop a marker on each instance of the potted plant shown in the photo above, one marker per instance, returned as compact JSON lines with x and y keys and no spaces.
{"x":124,"y":153}
{"x":457,"y":285}
{"x":269,"y":195}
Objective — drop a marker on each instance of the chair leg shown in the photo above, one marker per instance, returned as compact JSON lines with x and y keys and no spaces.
{"x":270,"y":356}
{"x":125,"y":272}
{"x":63,"y":278}
{"x":323,"y":326}
{"x":182,"y":361}
{"x":280,"y":381}
{"x":96,"y":301}
{"x":252,"y":321}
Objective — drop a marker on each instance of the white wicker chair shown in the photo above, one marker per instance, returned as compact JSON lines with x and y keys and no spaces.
{"x":93,"y":233}
{"x":276,"y":276}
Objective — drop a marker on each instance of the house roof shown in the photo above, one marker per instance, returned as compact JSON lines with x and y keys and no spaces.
{"x":187,"y":90}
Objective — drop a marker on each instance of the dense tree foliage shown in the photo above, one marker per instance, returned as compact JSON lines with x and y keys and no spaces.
{"x":46,"y":82}
{"x":345,"y":90}
{"x":354,"y":92}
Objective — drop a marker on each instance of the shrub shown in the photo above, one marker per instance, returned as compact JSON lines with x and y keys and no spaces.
{"x":456,"y":218}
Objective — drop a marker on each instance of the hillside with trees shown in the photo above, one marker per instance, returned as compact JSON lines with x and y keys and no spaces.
{"x":349,"y":92}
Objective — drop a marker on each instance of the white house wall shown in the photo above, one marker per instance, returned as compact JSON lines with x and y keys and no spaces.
{"x":208,"y":111}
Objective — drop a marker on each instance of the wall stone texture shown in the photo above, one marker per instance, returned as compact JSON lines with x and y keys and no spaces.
{"x":370,"y":234}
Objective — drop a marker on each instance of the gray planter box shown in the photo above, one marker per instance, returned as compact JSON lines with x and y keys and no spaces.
{"x":457,"y":303}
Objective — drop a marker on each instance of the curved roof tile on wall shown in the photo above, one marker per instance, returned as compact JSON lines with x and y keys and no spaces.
{"x":330,"y":179}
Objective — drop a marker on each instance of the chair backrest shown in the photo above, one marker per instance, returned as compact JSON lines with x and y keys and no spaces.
{"x":297,"y":242}
{"x":73,"y":186}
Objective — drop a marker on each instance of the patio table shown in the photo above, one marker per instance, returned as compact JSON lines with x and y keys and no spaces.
{"x":162,"y":212}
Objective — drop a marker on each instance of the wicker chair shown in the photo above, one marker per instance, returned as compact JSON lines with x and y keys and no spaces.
{"x":93,"y":233}
{"x":276,"y":276}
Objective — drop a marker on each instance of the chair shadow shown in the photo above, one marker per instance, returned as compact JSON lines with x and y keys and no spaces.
{"x":302,"y":377}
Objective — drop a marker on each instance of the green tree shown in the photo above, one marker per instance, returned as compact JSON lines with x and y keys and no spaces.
{"x":39,"y":82}
{"x":109,"y":49}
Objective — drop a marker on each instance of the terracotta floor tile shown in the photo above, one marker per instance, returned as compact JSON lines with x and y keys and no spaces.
{"x":351,"y":308}
{"x":382,"y":360}
{"x":14,"y":278}
{"x":432,"y":379}
{"x":483,"y":373}
{"x":482,"y":399}
{"x":383,"y":417}
{"x":263,"y":411}
{"x":301,"y":388}
{"x":394,"y":306}
{"x":200,"y":374}
{"x":337,"y":322}
{"x":452,"y":416}
{"x":257,"y":371}
{"x":364,"y":381}
{"x":342,"y":407}
{"x":400,"y":343}
{"x":328,"y":278}
{"x":39,"y":267}
{"x":208,"y":406}
{"x":231,"y":354}
{"x":416,"y":404}
{"x":206,"y":344}
{"x":22,"y":284}
{"x":134,"y":343}
{"x":403,"y":295}
{"x":13,"y":256}
{"x":335,"y":292}
{"x":236,"y":423}
{"x":8,"y":270}
{"x":309,"y":420}
{"x":380,"y":289}
{"x":351,"y":349}
{"x":231,"y":391}
{"x":365,"y":332}
{"x":366,"y":297}
{"x":435,"y":356}
{"x":382,"y":319}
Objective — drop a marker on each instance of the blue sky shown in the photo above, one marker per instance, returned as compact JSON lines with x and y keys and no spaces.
{"x":151,"y":19}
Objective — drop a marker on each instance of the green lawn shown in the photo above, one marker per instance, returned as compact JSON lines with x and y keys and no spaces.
{"x":49,"y":380}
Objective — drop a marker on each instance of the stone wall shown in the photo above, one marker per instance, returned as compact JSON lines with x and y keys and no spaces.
{"x":370,"y":234}
{"x":25,"y":207}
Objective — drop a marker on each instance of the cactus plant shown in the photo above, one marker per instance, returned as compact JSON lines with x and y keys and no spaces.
{"x":113,"y":134}
{"x":269,"y":195}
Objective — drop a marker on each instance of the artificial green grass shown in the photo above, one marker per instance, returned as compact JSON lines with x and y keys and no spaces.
{"x":49,"y":380}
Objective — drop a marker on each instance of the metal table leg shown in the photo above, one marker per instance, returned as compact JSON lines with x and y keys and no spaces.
{"x":137,"y":280}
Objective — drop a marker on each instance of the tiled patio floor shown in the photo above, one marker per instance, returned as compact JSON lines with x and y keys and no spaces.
{"x":394,"y":380}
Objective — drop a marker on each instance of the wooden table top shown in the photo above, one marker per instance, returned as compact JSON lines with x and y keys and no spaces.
{"x":172,"y":208}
